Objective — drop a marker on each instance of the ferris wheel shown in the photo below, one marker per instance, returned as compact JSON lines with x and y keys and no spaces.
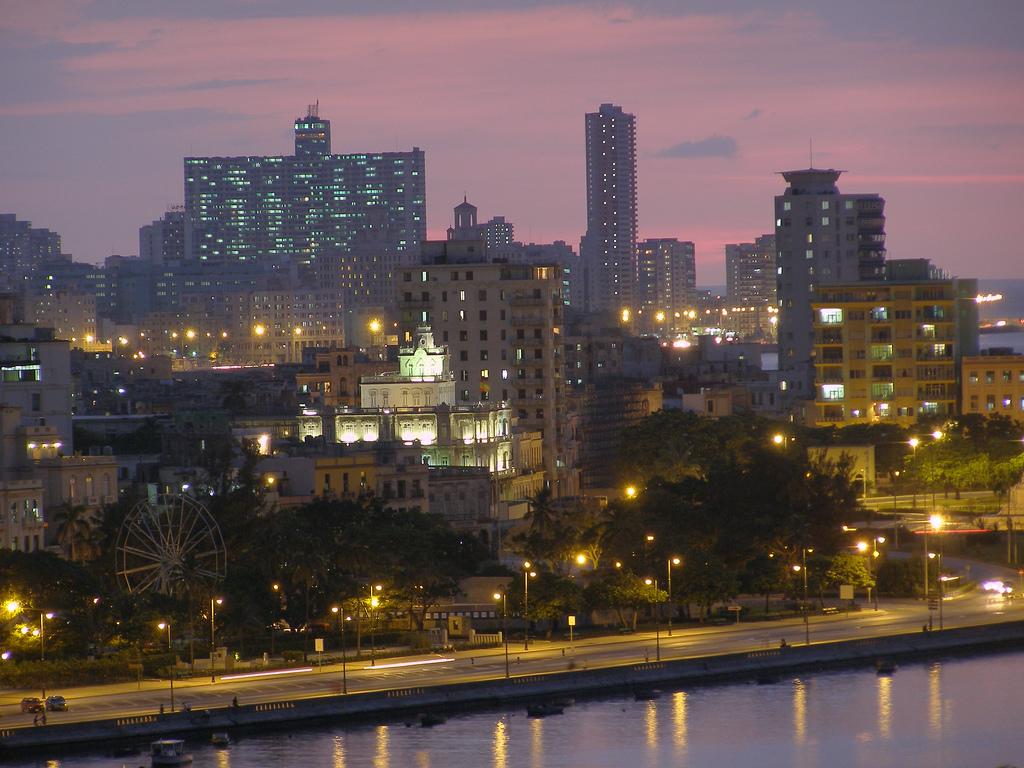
{"x":167,"y":544}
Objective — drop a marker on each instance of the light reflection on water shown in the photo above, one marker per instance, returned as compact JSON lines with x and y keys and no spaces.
{"x":949,"y":713}
{"x":885,"y":707}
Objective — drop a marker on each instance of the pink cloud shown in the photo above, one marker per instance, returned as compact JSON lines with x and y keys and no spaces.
{"x":497,"y":101}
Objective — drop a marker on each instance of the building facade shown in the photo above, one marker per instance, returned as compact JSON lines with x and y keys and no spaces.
{"x":331,"y":213}
{"x":891,"y":351}
{"x":750,"y":273}
{"x":993,"y":384}
{"x":608,"y":248}
{"x":822,"y":237}
{"x":666,"y":284}
{"x":503,"y":324}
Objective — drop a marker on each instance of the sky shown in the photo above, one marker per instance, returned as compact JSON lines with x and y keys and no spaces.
{"x":918,"y":100}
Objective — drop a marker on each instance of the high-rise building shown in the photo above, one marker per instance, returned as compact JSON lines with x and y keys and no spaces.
{"x":496,"y":233}
{"x":666,"y":283}
{"x":331,"y":213}
{"x":890,"y":350}
{"x":163,"y":241}
{"x":22,"y":249}
{"x":821,"y":237}
{"x":750,"y":272}
{"x":608,"y":249}
{"x":503,"y":323}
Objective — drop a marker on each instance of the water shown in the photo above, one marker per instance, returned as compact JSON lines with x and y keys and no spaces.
{"x":946,"y":714}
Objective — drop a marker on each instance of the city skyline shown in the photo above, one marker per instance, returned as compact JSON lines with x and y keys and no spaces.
{"x":105,"y":103}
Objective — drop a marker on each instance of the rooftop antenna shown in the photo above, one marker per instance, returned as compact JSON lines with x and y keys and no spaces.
{"x":314,"y":110}
{"x":810,"y":150}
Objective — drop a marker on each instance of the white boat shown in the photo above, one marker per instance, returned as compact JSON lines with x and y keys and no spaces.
{"x":169,"y":752}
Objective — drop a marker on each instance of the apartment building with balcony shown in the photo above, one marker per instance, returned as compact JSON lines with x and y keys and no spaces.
{"x":890,"y":351}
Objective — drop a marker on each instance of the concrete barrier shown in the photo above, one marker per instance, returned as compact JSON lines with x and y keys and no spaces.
{"x":410,"y":700}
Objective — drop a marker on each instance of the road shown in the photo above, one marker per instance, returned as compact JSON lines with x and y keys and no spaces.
{"x":893,"y":617}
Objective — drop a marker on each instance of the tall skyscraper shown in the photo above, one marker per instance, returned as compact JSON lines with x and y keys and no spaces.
{"x":163,"y":241}
{"x":348,"y":219}
{"x":666,"y":282}
{"x":608,"y":249}
{"x":22,"y":249}
{"x":822,"y":237}
{"x":750,"y":272}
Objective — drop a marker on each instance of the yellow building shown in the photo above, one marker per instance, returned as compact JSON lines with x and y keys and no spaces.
{"x":890,"y":351}
{"x":993,"y":384}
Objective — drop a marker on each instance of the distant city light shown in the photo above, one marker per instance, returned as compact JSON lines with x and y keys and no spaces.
{"x":986,"y":298}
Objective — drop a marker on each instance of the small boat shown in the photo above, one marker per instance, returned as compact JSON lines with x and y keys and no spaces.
{"x":430,"y":719}
{"x":563,"y":702}
{"x":168,"y":752}
{"x":543,"y":710}
{"x":884,"y":667}
{"x":646,"y":694}
{"x":220,"y":739}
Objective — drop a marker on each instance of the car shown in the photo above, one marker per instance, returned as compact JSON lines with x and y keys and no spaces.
{"x":32,"y":704}
{"x":56,"y":704}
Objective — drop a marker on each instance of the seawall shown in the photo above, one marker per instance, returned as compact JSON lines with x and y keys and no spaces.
{"x":394,"y":703}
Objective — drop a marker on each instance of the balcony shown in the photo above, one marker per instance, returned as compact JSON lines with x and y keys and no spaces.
{"x":527,"y":300}
{"x":519,"y":320}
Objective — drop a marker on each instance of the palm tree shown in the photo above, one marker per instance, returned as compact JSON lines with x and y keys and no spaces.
{"x":75,"y":532}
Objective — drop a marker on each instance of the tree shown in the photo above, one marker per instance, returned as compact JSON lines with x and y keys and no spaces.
{"x":623,"y":592}
{"x":75,"y":532}
{"x":847,"y":568}
{"x":552,"y":596}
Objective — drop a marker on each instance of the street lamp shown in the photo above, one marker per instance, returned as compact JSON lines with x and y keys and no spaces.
{"x":657,"y":624}
{"x":42,"y":634}
{"x":167,"y":625}
{"x":631,"y":491}
{"x":374,"y":602}
{"x":802,"y":568}
{"x":862,"y":547}
{"x":214,"y":601}
{"x":935,"y":522}
{"x":914,"y":442}
{"x":504,"y":625}
{"x":527,"y":575}
{"x":671,"y":561}
{"x":344,"y":653}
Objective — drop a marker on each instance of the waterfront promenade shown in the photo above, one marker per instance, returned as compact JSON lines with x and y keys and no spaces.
{"x":393,"y":686}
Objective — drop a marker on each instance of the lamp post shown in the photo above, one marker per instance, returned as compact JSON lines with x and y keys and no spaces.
{"x":802,"y":568}
{"x":862,"y":547}
{"x":344,"y":653}
{"x":42,"y":634}
{"x":936,"y":522}
{"x":214,"y":602}
{"x":657,"y":623}
{"x":913,"y":442}
{"x":527,"y":575}
{"x":671,"y":561}
{"x":374,"y":602}
{"x":504,"y":626}
{"x":167,"y":625}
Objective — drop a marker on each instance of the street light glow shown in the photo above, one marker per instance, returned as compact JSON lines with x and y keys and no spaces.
{"x":914,"y":442}
{"x":936,"y":522}
{"x":12,"y":606}
{"x":778,"y":438}
{"x":581,"y":559}
{"x":630,"y":491}
{"x":937,"y":434}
